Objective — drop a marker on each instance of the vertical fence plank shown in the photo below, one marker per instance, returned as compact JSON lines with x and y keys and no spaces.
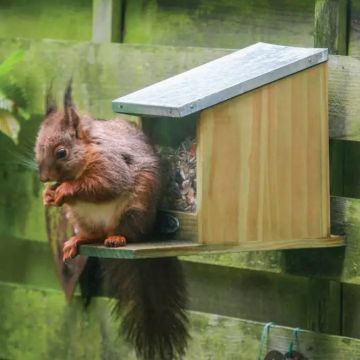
{"x":354,"y":29}
{"x":107,"y":19}
{"x":331,"y":25}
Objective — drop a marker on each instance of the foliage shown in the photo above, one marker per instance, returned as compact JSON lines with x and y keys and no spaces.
{"x":12,"y":101}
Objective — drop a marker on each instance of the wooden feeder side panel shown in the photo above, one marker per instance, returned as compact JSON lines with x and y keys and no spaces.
{"x":262,"y":164}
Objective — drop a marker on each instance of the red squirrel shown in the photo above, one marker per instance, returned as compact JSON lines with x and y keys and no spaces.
{"x":107,"y":176}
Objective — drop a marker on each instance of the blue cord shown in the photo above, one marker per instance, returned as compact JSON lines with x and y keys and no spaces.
{"x":264,"y":334}
{"x":293,"y":339}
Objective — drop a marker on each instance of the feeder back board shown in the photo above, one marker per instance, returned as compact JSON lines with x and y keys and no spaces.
{"x":262,"y":157}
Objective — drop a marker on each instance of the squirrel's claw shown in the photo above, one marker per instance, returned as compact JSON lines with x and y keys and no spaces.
{"x":48,"y":196}
{"x":115,"y":241}
{"x":70,"y":249}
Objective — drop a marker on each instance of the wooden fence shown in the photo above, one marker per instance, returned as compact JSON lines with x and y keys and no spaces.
{"x":232,"y":295}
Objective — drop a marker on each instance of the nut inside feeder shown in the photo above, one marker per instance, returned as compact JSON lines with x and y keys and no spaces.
{"x":179,"y":174}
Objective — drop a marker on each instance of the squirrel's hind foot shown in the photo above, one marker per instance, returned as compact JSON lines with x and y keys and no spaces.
{"x":115,"y":241}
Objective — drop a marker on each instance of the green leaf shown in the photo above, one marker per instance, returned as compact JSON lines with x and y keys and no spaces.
{"x":8,"y":64}
{"x":23,"y":113}
{"x":9,"y":125}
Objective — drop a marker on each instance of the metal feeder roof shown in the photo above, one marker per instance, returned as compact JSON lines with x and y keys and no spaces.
{"x":219,"y":80}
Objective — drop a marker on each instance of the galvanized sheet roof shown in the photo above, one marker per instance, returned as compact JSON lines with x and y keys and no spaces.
{"x":219,"y":80}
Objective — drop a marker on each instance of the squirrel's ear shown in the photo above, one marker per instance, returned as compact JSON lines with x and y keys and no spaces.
{"x":50,"y":104}
{"x":68,"y":102}
{"x":71,"y":118}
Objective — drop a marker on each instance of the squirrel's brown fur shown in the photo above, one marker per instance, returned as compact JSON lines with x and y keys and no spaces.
{"x":107,"y":176}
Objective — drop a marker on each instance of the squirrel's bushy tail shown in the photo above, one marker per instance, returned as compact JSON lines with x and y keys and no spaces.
{"x":151,"y":304}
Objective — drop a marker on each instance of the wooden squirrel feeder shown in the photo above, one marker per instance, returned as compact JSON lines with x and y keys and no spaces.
{"x":260,"y":120}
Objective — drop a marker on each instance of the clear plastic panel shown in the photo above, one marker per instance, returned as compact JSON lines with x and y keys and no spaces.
{"x":175,"y":141}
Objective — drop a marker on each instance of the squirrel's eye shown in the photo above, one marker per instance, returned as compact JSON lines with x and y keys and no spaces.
{"x":61,"y":153}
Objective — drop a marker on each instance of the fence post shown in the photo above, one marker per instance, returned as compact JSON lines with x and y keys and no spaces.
{"x":331,"y":23}
{"x":107,"y":20}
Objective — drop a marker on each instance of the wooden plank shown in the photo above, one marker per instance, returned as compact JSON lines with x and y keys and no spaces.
{"x":107,"y":20}
{"x":239,"y":134}
{"x":289,"y":294}
{"x":337,"y":157}
{"x":142,"y":250}
{"x":311,"y":304}
{"x":27,"y":262}
{"x":31,"y":333}
{"x":68,"y":20}
{"x":120,"y":69}
{"x":231,"y":24}
{"x":344,"y":107}
{"x":331,"y":25}
{"x":182,"y":248}
{"x":219,"y":80}
{"x":345,"y":169}
{"x":21,"y":215}
{"x":350,"y":310}
{"x":354,"y":29}
{"x":116,"y":69}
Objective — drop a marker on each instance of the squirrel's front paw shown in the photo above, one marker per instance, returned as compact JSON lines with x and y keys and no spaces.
{"x":62,"y":193}
{"x":49,"y":195}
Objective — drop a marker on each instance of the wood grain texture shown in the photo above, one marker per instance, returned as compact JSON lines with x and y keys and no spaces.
{"x":331,"y":25}
{"x":262,"y":164}
{"x":344,"y":105}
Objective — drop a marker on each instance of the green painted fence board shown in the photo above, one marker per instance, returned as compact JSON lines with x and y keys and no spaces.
{"x":354,"y":29}
{"x":282,"y":298}
{"x":21,"y":210}
{"x":351,"y":310}
{"x":27,"y":262}
{"x":64,"y":19}
{"x":345,"y":168}
{"x":212,"y":23}
{"x":103,"y":72}
{"x":331,"y":25}
{"x":344,"y":107}
{"x":107,"y":20}
{"x":37,"y":324}
{"x":295,"y":301}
